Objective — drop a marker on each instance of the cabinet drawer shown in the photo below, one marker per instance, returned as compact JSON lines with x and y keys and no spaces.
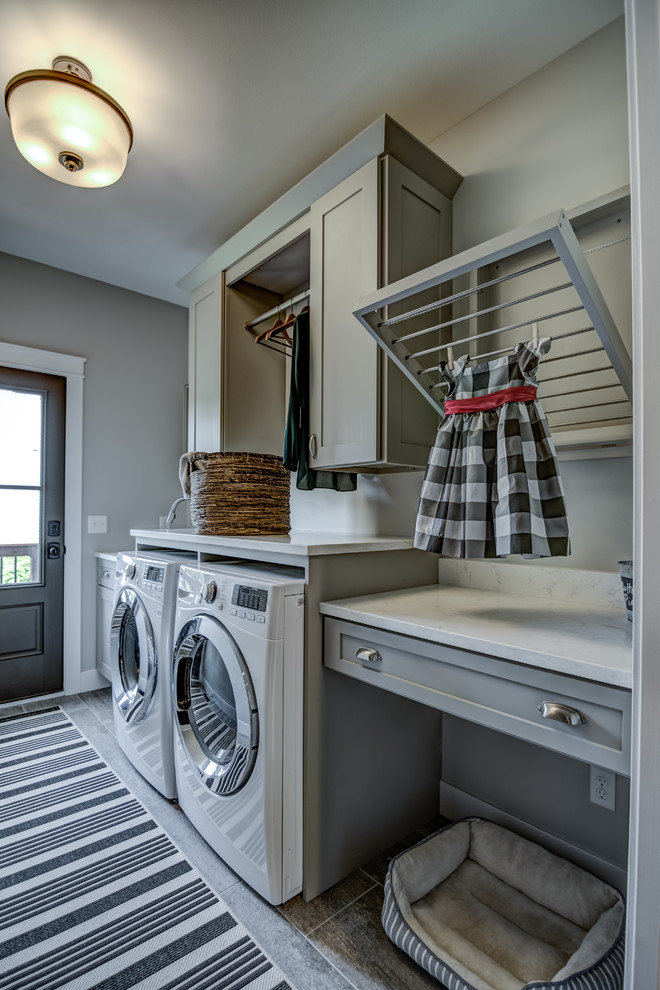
{"x":497,"y":693}
{"x":105,"y":572}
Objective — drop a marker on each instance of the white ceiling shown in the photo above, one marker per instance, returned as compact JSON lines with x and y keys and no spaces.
{"x":233,"y":101}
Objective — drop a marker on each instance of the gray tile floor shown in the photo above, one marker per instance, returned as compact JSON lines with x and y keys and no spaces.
{"x":334,"y":942}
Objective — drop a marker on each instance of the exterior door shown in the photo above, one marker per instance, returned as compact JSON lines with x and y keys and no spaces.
{"x":215,"y":705}
{"x":32,"y":409}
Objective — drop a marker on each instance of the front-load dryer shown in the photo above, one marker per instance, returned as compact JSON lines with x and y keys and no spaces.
{"x":238,"y":702}
{"x":141,"y":657}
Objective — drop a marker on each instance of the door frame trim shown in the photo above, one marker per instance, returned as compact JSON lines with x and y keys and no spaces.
{"x":71,"y":368}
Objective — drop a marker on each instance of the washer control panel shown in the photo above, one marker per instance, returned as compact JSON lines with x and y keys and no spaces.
{"x":152,"y":578}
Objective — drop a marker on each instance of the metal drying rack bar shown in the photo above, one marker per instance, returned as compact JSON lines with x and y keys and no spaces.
{"x":553,"y":232}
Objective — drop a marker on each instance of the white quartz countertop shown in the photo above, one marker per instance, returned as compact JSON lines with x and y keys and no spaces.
{"x":581,"y":640}
{"x":296,"y":544}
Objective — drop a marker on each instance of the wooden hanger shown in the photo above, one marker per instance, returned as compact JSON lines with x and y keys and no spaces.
{"x":266,"y":334}
{"x":282,"y":327}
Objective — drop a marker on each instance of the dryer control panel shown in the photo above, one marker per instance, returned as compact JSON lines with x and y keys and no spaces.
{"x":249,"y":603}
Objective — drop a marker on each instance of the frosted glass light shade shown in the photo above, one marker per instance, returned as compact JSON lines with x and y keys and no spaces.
{"x":68,"y":128}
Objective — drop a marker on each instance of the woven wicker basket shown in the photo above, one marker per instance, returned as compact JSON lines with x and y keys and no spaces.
{"x":239,"y":494}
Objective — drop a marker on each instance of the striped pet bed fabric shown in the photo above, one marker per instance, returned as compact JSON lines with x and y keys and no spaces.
{"x":480,"y":908}
{"x":95,"y":896}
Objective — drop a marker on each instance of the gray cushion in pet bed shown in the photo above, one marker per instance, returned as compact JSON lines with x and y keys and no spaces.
{"x":481,"y":908}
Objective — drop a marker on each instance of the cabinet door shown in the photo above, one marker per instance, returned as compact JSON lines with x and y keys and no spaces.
{"x":417,"y":232}
{"x":204,"y":366}
{"x":344,"y":362}
{"x":104,"y":600}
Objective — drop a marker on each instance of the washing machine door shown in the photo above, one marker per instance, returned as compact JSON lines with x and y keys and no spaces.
{"x":215,"y":705}
{"x":133,"y":653}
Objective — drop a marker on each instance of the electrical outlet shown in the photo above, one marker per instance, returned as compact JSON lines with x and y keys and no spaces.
{"x":602,"y":787}
{"x":97,"y":524}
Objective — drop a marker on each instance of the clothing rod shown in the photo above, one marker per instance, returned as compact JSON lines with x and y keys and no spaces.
{"x":599,"y":247}
{"x":463,"y":294}
{"x":601,"y":422}
{"x":489,"y":354}
{"x":489,"y":333}
{"x":591,"y":405}
{"x":287,"y":304}
{"x":574,"y":374}
{"x":573,"y":354}
{"x":503,"y":350}
{"x":485,"y":312}
{"x":580,"y":391}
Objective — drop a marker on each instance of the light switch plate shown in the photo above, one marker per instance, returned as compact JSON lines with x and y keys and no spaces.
{"x":97,"y":524}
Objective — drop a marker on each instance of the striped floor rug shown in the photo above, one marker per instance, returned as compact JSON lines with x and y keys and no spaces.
{"x":94,"y":895}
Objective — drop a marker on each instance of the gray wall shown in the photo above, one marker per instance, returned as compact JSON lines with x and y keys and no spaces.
{"x":133,"y":429}
{"x":556,"y":140}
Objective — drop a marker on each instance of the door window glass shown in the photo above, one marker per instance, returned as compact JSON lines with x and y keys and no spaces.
{"x":129,"y":652}
{"x":21,"y":483}
{"x":213,"y":703}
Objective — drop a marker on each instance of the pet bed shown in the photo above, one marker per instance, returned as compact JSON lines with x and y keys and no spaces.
{"x":481,"y":908}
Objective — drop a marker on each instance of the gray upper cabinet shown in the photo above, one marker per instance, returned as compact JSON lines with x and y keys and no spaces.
{"x":344,"y":385}
{"x":377,"y":211}
{"x":204,"y":365}
{"x":380,"y":224}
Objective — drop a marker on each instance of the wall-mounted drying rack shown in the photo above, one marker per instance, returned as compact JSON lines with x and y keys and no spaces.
{"x":277,"y":312}
{"x":535,"y":279}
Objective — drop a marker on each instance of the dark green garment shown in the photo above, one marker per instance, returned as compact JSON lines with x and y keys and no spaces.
{"x":296,"y":437}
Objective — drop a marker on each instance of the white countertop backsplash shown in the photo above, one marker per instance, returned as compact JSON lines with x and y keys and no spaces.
{"x":559,"y":583}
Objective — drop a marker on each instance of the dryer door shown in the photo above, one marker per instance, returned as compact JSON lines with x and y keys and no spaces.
{"x":133,"y":657}
{"x":215,"y":705}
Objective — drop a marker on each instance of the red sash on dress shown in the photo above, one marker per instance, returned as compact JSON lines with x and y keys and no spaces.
{"x":516,"y":393}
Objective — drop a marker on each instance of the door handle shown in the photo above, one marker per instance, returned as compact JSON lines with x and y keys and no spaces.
{"x":313,"y":445}
{"x":561,"y":713}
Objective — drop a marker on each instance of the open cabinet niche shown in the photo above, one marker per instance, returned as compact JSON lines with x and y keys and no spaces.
{"x":255,"y":386}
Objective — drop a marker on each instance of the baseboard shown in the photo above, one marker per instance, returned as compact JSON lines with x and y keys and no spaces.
{"x":92,"y":680}
{"x":455,"y":804}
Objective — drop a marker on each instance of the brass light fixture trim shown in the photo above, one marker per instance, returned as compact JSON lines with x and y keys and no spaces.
{"x":76,"y":73}
{"x":43,"y":117}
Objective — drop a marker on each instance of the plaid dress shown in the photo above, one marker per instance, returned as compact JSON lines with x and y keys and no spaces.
{"x":492,"y":484}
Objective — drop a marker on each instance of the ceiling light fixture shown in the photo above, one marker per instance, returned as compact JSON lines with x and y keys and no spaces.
{"x":66,"y":126}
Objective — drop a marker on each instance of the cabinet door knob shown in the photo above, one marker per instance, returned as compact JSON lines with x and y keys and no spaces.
{"x":368,"y":657}
{"x":106,"y":574}
{"x":312,"y":445}
{"x":561,"y":713}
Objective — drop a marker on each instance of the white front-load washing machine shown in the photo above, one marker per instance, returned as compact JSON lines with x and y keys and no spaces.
{"x":238,"y":710}
{"x":141,"y":658}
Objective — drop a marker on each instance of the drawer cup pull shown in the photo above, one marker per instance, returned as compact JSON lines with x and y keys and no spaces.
{"x":561,"y":713}
{"x":368,"y":657}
